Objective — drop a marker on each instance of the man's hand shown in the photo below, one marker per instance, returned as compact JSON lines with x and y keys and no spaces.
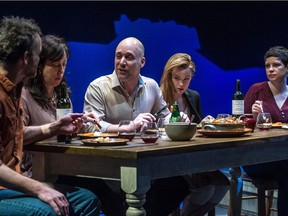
{"x":93,"y":118}
{"x":143,"y":117}
{"x":54,"y":198}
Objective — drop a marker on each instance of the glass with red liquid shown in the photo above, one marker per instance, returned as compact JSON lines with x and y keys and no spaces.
{"x":249,"y":121}
{"x":149,"y":132}
{"x":126,"y":129}
{"x":264,"y":121}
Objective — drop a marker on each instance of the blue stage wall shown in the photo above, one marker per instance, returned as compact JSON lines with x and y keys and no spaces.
{"x":161,"y":40}
{"x":226,"y":39}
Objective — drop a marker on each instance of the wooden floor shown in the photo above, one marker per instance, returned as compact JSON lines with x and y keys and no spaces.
{"x":219,"y":212}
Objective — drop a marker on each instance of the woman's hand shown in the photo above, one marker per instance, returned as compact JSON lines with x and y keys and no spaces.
{"x":184,"y":117}
{"x":257,"y":108}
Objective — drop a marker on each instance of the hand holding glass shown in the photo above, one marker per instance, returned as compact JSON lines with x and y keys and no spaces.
{"x":126,"y":129}
{"x":264,"y":121}
{"x":149,"y":132}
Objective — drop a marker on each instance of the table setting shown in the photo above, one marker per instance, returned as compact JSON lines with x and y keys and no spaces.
{"x":136,"y":161}
{"x":223,"y":126}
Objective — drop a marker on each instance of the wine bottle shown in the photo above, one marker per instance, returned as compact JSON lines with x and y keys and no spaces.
{"x":63,"y":107}
{"x":175,"y":116}
{"x":237,"y":101}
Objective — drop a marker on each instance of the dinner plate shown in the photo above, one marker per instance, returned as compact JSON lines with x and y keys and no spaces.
{"x":224,"y":133}
{"x":100,"y":141}
{"x":96,"y":135}
{"x":277,"y":125}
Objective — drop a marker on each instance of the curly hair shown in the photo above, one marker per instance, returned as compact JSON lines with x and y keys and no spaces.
{"x":16,"y":37}
{"x":175,"y":62}
{"x":53,"y":49}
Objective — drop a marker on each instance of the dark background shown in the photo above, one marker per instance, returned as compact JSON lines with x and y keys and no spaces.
{"x":233,"y":35}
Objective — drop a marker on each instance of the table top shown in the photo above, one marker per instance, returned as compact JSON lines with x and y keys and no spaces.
{"x":163,"y":146}
{"x":165,"y":158}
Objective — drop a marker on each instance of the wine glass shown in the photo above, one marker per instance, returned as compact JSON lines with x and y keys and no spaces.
{"x":264,"y":121}
{"x":222,"y":115}
{"x":149,"y":132}
{"x":161,"y":127}
{"x":126,"y":129}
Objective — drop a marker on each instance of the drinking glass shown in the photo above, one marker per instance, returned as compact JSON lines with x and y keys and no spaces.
{"x":249,"y":121}
{"x":149,"y":132}
{"x":161,"y":127}
{"x":126,"y":129}
{"x":264,"y":121}
{"x":223,"y":115}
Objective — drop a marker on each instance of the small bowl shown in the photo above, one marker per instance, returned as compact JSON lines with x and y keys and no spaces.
{"x":180,"y":131}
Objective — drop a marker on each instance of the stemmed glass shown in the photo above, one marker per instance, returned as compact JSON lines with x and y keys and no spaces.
{"x":149,"y":132}
{"x":126,"y":129}
{"x":264,"y":121}
{"x":222,"y":115}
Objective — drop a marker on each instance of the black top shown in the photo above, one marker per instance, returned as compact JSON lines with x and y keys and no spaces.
{"x":193,"y":99}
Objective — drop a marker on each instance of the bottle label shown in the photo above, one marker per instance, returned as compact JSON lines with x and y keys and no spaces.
{"x":237,"y":107}
{"x":62,"y":112}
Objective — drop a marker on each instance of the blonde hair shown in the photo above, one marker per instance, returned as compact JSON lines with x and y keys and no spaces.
{"x":175,"y":62}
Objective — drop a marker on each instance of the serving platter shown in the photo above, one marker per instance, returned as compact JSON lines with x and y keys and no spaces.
{"x":224,"y":133}
{"x":100,"y":141}
{"x":96,"y":135}
{"x":223,"y":126}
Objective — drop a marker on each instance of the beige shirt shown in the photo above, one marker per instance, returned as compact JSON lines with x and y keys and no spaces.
{"x":106,"y":97}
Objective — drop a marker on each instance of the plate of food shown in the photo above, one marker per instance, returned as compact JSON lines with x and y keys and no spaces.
{"x":96,"y":135}
{"x":224,"y":133}
{"x":277,"y":125}
{"x":227,"y":123}
{"x":104,"y":141}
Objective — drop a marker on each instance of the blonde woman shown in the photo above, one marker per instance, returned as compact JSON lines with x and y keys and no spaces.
{"x":206,"y":189}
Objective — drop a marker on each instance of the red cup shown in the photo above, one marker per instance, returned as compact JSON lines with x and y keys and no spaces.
{"x":249,"y":121}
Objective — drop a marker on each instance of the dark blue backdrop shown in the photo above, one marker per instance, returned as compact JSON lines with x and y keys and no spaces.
{"x":227,"y":39}
{"x":161,"y":40}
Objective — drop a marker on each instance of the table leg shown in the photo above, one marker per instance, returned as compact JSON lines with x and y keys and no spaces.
{"x":135,"y":186}
{"x":235,"y":191}
{"x":41,"y":163}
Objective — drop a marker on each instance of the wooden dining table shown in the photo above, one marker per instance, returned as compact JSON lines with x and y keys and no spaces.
{"x":136,"y":164}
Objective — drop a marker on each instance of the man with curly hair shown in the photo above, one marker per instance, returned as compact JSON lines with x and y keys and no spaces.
{"x":20,"y":46}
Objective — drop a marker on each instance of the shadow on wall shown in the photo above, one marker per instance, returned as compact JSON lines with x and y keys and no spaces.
{"x":161,"y":40}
